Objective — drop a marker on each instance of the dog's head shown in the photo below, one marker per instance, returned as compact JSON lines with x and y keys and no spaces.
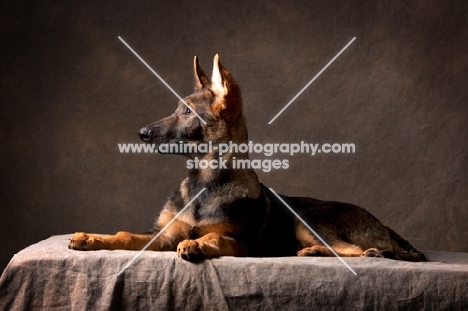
{"x":213,"y":112}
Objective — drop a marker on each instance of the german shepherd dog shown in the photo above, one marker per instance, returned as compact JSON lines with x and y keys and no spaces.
{"x":236,"y":215}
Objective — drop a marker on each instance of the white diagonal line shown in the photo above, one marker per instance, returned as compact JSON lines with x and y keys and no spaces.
{"x":310,"y":82}
{"x":159,"y":233}
{"x":162,"y":80}
{"x":313,"y":231}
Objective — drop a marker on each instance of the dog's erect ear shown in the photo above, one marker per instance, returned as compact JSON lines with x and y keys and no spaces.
{"x":228,"y":102}
{"x":201,"y":80}
{"x":219,"y":78}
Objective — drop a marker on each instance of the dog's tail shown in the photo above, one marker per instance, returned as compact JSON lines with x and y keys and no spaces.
{"x":402,"y":249}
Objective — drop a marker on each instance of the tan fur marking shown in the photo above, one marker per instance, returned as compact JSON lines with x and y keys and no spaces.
{"x":342,"y":249}
{"x":169,"y":213}
{"x":310,"y":244}
{"x":219,"y":228}
{"x":121,"y":240}
{"x":164,"y":218}
{"x":308,"y":251}
{"x":212,"y":243}
{"x":184,"y":191}
{"x":305,"y":237}
{"x":187,"y":217}
{"x":347,"y":250}
{"x":218,"y":106}
{"x":215,"y":245}
{"x":206,"y":174}
{"x":209,"y":246}
{"x":176,"y":232}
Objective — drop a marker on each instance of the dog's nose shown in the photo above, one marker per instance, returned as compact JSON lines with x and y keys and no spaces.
{"x":145,"y":134}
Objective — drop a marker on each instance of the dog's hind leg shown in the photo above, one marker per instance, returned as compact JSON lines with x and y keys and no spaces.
{"x":375,"y":252}
{"x":376,"y":243}
{"x":344,"y":250}
{"x":341,"y":248}
{"x":314,"y":251}
{"x":313,"y":247}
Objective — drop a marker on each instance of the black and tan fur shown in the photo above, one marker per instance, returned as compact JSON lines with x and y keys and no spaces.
{"x":236,"y":215}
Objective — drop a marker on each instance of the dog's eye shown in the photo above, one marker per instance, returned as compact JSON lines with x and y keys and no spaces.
{"x":187,"y":111}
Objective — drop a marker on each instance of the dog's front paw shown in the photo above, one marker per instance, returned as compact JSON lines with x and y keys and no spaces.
{"x":190,"y":250}
{"x":81,"y":241}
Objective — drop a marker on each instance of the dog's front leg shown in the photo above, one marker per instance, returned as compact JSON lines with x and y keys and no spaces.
{"x":166,"y":241}
{"x":121,"y":240}
{"x":209,"y":246}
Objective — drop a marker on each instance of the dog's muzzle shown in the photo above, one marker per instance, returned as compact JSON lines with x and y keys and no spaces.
{"x":145,"y":134}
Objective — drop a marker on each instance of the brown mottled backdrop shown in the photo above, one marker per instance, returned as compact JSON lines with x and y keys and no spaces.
{"x":71,"y":91}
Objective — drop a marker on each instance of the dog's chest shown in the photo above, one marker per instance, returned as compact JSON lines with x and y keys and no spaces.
{"x":202,"y":215}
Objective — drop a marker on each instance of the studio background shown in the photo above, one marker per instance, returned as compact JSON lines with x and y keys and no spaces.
{"x":71,"y":91}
